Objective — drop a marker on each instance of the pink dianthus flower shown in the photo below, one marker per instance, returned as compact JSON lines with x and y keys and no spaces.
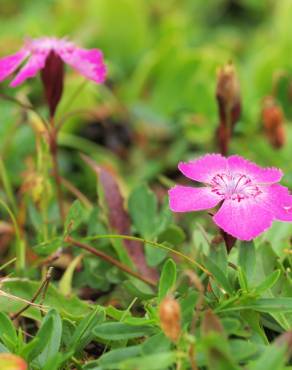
{"x":87,"y":62}
{"x":48,"y":55}
{"x":248,"y":195}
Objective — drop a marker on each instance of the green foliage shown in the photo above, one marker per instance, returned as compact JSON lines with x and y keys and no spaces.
{"x":102,"y":311}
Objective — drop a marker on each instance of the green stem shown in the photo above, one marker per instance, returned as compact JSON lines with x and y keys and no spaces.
{"x":151,"y":243}
{"x":7,"y":185}
{"x":109,"y":259}
{"x":3,"y":267}
{"x":53,"y":146}
{"x":20,"y":246}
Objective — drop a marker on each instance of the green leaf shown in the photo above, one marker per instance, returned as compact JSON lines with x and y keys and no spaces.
{"x":167,"y":279}
{"x":74,"y":216}
{"x":217,"y":352}
{"x":156,"y":343}
{"x":118,"y":355}
{"x":218,"y":275}
{"x":242,"y":279}
{"x":121,"y":331}
{"x":253,"y":320}
{"x":53,"y":334}
{"x":7,"y":332}
{"x":155,"y":361}
{"x":269,"y":282}
{"x":242,"y":349}
{"x":143,"y":210}
{"x":71,"y":307}
{"x":48,"y":247}
{"x":246,"y":258}
{"x":3,"y":349}
{"x":269,"y":305}
{"x":139,"y":289}
{"x":83,"y":333}
{"x":273,"y":358}
{"x":65,"y":283}
{"x":173,"y":235}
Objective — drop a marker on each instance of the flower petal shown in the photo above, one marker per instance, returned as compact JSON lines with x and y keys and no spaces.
{"x":255,"y":172}
{"x":186,"y":198}
{"x":87,"y":62}
{"x":35,"y":63}
{"x":244,"y":220}
{"x":279,"y":200}
{"x":10,"y":63}
{"x":204,"y":168}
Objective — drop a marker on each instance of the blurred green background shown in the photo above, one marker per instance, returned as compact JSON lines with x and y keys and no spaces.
{"x":158,"y":106}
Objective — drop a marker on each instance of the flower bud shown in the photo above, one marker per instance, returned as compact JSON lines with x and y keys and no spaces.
{"x":53,"y":77}
{"x":170,"y":317}
{"x":11,"y":362}
{"x":273,"y":121}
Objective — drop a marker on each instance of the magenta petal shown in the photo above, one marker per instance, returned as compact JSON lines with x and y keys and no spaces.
{"x":244,"y":220}
{"x":279,"y":200}
{"x":186,"y":198}
{"x":87,"y":62}
{"x":204,"y":168}
{"x":35,"y":63}
{"x":253,"y":171}
{"x":10,"y":63}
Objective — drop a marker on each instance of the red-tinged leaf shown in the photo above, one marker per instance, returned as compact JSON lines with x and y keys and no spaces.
{"x":118,"y":218}
{"x":211,"y":323}
{"x":12,"y":362}
{"x":285,"y":339}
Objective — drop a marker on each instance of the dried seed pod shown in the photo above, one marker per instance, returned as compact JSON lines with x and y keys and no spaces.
{"x":273,"y":121}
{"x":170,"y":317}
{"x":229,"y":104}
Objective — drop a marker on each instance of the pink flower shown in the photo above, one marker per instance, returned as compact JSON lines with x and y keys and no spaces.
{"x":87,"y":62}
{"x":248,"y":195}
{"x":48,"y":55}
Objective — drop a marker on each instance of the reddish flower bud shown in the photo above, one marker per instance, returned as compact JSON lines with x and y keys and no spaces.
{"x":229,"y":104}
{"x":53,"y":77}
{"x":11,"y":362}
{"x":170,"y":317}
{"x":273,"y":121}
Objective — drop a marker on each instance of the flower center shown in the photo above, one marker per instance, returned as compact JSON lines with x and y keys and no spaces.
{"x":234,"y":186}
{"x":46,"y":44}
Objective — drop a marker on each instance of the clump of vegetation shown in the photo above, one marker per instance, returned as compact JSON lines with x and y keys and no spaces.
{"x":125,"y":244}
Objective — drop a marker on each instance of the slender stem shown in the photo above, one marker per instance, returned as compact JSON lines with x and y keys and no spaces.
{"x":7,"y":264}
{"x":153,"y":244}
{"x":69,"y":186}
{"x":20,"y":245}
{"x":7,"y":185}
{"x":109,"y":259}
{"x":42,"y":287}
{"x":54,"y":154}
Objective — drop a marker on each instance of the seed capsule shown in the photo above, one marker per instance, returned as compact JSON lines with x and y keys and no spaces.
{"x":170,"y":317}
{"x":273,"y":121}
